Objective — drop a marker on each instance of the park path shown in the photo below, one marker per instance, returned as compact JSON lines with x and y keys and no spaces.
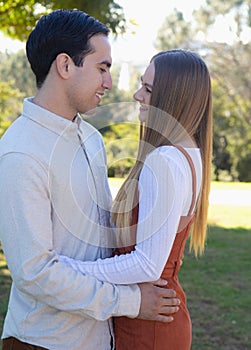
{"x":224,"y":197}
{"x":230,"y":197}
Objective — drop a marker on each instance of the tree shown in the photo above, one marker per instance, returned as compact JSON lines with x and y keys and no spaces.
{"x":244,"y":168}
{"x":231,"y":69}
{"x":19,"y":17}
{"x":231,"y":75}
{"x":16,"y":67}
{"x":9,"y":105}
{"x":175,"y":32}
{"x":240,"y":10}
{"x":222,"y":129}
{"x":121,"y":141}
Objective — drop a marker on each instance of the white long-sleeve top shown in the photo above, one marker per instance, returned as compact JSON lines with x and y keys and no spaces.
{"x":165,"y":194}
{"x":48,"y":206}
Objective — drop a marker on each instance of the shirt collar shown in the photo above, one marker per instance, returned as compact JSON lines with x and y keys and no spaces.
{"x":49,"y":120}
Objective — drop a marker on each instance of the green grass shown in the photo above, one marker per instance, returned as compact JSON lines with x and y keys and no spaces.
{"x":218,"y":290}
{"x":217,"y":284}
{"x":229,"y":216}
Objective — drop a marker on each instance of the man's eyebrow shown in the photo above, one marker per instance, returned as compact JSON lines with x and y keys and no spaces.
{"x":106,"y":63}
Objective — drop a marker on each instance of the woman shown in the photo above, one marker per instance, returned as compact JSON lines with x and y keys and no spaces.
{"x":170,"y":181}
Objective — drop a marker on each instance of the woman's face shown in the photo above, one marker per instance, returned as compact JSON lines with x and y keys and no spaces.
{"x":143,"y":95}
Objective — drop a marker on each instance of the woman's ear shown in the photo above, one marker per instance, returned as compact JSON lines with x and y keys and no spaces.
{"x":63,"y":64}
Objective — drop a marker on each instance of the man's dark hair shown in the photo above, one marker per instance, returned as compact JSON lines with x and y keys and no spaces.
{"x":62,"y":31}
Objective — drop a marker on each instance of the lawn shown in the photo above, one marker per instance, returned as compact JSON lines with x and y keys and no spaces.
{"x":217,"y":284}
{"x":218,"y":290}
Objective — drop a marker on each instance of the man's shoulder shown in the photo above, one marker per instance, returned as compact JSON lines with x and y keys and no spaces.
{"x":89,"y":131}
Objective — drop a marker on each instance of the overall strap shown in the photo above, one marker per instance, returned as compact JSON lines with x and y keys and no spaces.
{"x":190,"y":161}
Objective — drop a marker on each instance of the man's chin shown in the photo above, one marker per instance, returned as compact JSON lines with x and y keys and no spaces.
{"x":91,"y":112}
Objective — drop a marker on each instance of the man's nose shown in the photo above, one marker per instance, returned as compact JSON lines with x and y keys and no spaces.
{"x":107,"y":83}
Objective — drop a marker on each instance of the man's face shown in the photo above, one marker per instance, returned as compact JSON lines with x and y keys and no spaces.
{"x":89,"y":82}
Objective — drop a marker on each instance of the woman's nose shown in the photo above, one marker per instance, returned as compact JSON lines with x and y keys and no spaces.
{"x":137,"y":96}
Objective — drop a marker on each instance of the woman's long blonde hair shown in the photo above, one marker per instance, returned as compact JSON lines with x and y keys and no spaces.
{"x":181,"y":106}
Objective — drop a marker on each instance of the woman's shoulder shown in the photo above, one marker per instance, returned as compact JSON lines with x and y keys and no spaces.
{"x":176,"y":154}
{"x":173,"y":152}
{"x":175,"y":158}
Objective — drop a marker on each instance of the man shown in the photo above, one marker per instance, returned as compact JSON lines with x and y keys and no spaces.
{"x":55,"y":199}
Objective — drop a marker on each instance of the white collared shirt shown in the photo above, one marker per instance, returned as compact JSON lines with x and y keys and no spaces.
{"x":48,"y":201}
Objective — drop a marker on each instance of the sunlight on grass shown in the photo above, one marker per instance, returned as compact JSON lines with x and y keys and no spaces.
{"x":235,"y":210}
{"x":229,"y":216}
{"x":242,"y":186}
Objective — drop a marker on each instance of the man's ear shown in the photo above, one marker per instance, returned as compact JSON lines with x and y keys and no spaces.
{"x":63,"y":64}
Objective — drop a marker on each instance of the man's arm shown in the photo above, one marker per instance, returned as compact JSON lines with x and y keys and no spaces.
{"x":25,"y":219}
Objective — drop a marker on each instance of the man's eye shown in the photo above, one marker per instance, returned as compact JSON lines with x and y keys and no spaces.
{"x":103,"y":70}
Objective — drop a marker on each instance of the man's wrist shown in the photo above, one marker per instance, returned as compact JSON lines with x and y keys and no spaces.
{"x":129,"y":300}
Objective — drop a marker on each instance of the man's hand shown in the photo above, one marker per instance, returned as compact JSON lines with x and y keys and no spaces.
{"x":157,"y":302}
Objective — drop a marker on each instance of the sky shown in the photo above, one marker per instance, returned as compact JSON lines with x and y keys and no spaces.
{"x":149,"y":15}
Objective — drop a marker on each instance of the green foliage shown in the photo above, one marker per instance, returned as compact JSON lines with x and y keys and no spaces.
{"x":8,"y":104}
{"x":232,"y":102}
{"x":16,"y":67}
{"x":244,"y":168}
{"x":19,"y":17}
{"x":240,"y":9}
{"x":231,"y":76}
{"x":175,"y":32}
{"x":121,"y":142}
{"x":13,"y":85}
